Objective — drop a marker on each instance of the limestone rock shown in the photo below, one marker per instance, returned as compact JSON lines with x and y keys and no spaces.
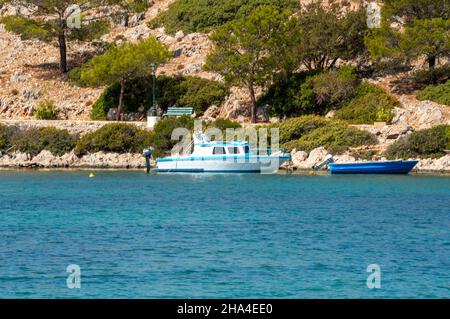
{"x":344,"y":159}
{"x":298,"y":158}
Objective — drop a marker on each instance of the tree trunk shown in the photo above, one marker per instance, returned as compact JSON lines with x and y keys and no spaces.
{"x":251,"y":91}
{"x":432,"y":61}
{"x":431,"y":64}
{"x":62,"y":52}
{"x":122,"y":90}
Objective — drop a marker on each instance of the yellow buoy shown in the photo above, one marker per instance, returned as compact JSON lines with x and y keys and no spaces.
{"x":91,"y":175}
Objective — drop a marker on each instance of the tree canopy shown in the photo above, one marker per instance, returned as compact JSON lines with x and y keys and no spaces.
{"x":328,"y":35}
{"x":124,"y":62}
{"x":247,"y":51}
{"x":206,"y":15}
{"x":423,"y":30}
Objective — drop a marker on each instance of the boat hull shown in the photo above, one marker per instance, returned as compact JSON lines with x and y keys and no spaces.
{"x":256,"y":164}
{"x":394,"y":167}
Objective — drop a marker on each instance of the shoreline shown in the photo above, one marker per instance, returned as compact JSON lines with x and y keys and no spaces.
{"x":282,"y":171}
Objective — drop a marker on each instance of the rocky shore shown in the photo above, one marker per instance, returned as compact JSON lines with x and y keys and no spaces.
{"x":301,"y":161}
{"x":46,"y":159}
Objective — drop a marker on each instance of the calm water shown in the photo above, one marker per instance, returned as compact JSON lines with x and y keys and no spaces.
{"x":223,"y":235}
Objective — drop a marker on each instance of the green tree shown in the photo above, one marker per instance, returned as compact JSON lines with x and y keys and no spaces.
{"x":122,"y":63}
{"x":328,"y":35}
{"x":396,"y":10}
{"x":48,"y":20}
{"x":247,"y":51}
{"x":427,"y":37}
{"x":423,"y":29}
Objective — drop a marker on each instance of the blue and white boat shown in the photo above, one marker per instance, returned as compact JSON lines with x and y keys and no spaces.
{"x":385,"y":167}
{"x":224,"y":157}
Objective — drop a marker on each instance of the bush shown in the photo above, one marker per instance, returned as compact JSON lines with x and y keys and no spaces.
{"x":436,"y":93}
{"x":33,"y":141}
{"x":310,"y":92}
{"x":223,"y":124}
{"x":74,"y":77}
{"x":116,"y":137}
{"x":6,"y":134}
{"x":335,"y":87}
{"x":291,"y":96}
{"x":181,"y":91}
{"x":421,"y":144}
{"x":46,"y":111}
{"x":336,"y":137}
{"x":295,"y":128}
{"x":432,"y":76}
{"x":371,"y":104}
{"x":205,"y":15}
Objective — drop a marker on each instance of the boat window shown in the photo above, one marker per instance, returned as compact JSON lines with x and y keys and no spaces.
{"x":219,"y":150}
{"x":233,"y":150}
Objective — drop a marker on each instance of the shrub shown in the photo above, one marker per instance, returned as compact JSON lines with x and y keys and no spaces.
{"x":436,"y":93}
{"x":310,"y":92}
{"x":6,"y":134}
{"x":372,"y":104}
{"x":223,"y":124}
{"x":116,"y":137}
{"x":432,"y":76}
{"x":421,"y":144}
{"x":74,"y":77}
{"x":336,"y":138}
{"x":335,"y":87}
{"x":183,"y":91}
{"x":291,"y":95}
{"x":204,"y":15}
{"x":295,"y":128}
{"x":33,"y":141}
{"x":46,"y":111}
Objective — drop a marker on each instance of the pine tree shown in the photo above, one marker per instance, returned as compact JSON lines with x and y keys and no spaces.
{"x":122,"y":63}
{"x":50,"y":20}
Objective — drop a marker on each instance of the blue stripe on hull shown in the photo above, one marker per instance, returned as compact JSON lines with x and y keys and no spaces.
{"x":399,"y":167}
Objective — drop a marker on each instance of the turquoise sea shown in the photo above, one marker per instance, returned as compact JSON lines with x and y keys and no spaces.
{"x":242,"y":236}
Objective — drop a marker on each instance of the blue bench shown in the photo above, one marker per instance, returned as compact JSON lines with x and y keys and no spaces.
{"x":179,"y":111}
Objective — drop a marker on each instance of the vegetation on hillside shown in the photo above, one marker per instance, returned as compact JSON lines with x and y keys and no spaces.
{"x":425,"y":31}
{"x":192,"y":92}
{"x":6,"y":134}
{"x":116,"y":137}
{"x":247,"y":51}
{"x":313,"y":92}
{"x":35,"y":140}
{"x":422,"y":144}
{"x":46,"y":110}
{"x":50,"y":20}
{"x":437,"y":93}
{"x":122,"y":63}
{"x":206,"y":15}
{"x":370,"y":104}
{"x":310,"y":132}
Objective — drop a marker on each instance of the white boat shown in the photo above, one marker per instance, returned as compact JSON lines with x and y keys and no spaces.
{"x":226,"y":157}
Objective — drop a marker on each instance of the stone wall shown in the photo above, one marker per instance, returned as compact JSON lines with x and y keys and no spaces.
{"x":74,"y":127}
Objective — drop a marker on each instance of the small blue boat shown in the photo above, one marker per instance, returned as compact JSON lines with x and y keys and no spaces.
{"x":392,"y":167}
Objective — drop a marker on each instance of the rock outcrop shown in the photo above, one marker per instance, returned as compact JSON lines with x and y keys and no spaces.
{"x":302,"y":160}
{"x":46,"y":159}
